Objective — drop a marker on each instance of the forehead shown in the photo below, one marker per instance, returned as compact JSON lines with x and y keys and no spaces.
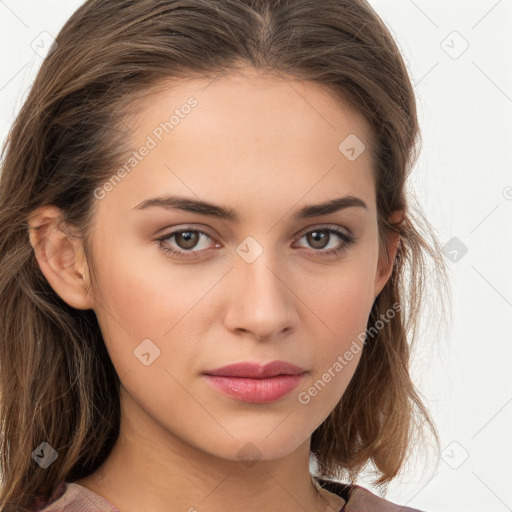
{"x":242,"y":136}
{"x":252,"y":100}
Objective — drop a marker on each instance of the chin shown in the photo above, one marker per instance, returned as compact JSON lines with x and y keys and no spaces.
{"x":253,"y":448}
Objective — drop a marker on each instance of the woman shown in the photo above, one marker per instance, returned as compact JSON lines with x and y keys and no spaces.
{"x":205,"y":245}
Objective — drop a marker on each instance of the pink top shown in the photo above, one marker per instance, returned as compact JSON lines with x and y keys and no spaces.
{"x":71,"y":497}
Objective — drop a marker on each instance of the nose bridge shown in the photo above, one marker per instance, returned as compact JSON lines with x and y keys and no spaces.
{"x":262,"y":302}
{"x":259,"y":270}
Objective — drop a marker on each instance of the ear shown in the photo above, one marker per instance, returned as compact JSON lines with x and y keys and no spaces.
{"x":60,"y":256}
{"x":387,"y":254}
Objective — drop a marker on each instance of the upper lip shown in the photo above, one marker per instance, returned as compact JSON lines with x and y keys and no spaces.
{"x":257,"y":370}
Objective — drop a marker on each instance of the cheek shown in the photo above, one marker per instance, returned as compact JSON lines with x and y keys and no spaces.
{"x":145,"y":296}
{"x":341,"y":303}
{"x":342,"y":297}
{"x":139,"y":301}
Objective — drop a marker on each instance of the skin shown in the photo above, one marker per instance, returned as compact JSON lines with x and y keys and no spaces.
{"x":264,"y":146}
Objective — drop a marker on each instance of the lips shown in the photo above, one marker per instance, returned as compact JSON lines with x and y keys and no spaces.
{"x":256,"y":382}
{"x":257,"y":370}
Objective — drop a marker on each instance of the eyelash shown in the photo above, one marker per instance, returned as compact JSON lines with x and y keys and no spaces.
{"x":346,"y":238}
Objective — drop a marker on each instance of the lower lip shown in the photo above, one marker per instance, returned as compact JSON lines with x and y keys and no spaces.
{"x":259,"y":391}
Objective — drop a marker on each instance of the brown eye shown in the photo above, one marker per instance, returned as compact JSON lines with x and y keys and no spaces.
{"x":321,"y":238}
{"x":318,"y":239}
{"x":186,"y":239}
{"x":182,"y":243}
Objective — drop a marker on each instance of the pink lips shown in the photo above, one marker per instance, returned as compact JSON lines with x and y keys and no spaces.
{"x":254,"y":382}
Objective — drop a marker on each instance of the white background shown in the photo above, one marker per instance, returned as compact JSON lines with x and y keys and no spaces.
{"x":463,"y":179}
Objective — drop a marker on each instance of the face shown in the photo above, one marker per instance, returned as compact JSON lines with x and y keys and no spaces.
{"x":255,"y":276}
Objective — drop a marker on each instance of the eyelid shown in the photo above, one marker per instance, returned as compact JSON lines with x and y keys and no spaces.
{"x":319,"y":227}
{"x":188,"y":227}
{"x":184,"y":227}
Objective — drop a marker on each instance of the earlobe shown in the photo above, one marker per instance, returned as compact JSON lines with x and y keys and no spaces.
{"x":60,"y":257}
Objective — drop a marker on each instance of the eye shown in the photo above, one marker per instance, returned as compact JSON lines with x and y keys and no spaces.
{"x":187,"y":241}
{"x":321,"y":237}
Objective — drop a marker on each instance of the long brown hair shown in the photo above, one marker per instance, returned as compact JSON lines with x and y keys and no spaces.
{"x":57,"y":383}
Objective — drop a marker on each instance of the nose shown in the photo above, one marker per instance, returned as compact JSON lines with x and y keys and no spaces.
{"x":261,"y":298}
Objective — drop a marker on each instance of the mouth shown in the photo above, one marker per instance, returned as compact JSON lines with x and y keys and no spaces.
{"x":257,"y":370}
{"x":255,"y":382}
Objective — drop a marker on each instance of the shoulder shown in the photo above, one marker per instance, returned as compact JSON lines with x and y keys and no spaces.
{"x":362,"y":499}
{"x":359,"y":499}
{"x":70,"y":497}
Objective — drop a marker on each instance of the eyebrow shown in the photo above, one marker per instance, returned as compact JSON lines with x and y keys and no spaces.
{"x":222,"y":212}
